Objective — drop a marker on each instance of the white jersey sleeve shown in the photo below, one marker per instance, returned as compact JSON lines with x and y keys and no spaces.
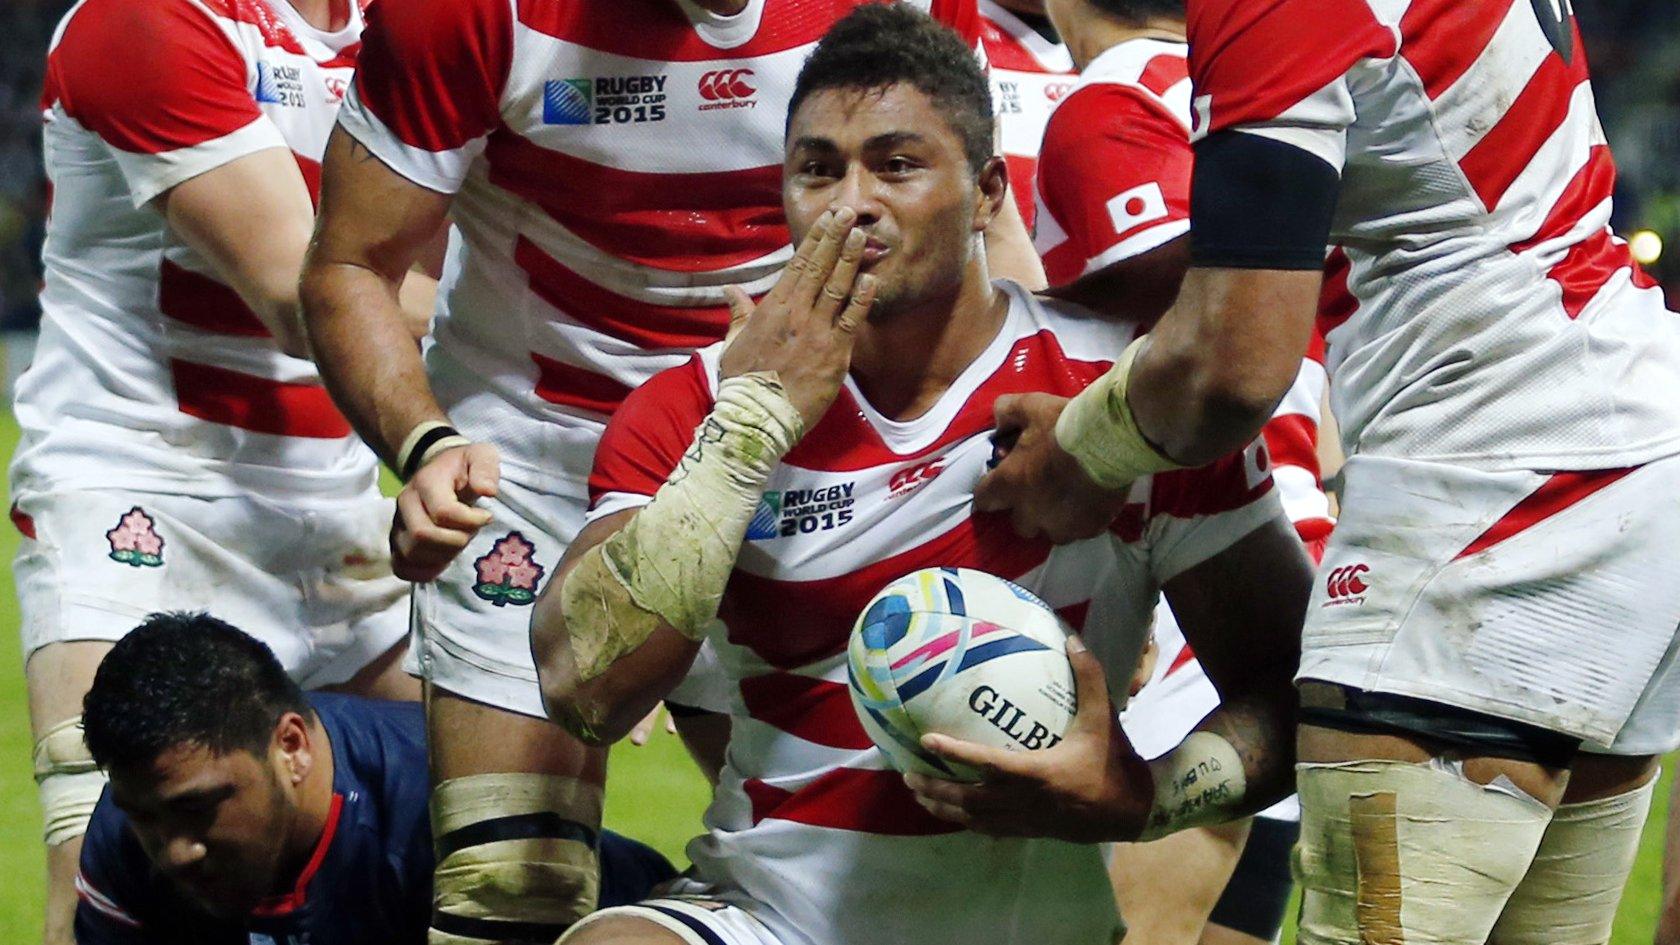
{"x":170,"y":108}
{"x":1187,"y":516}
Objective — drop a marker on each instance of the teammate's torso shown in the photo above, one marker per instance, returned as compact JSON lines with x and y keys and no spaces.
{"x":1500,"y":323}
{"x":151,"y":371}
{"x":631,"y":170}
{"x":1029,"y":74}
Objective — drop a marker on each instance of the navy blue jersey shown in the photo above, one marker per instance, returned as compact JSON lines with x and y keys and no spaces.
{"x":370,"y":880}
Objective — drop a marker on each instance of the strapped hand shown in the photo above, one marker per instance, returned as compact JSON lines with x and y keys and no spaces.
{"x":803,"y":330}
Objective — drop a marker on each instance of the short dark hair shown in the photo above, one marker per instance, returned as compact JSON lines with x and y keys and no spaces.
{"x":1139,"y":11}
{"x":185,"y":678}
{"x":879,"y":45}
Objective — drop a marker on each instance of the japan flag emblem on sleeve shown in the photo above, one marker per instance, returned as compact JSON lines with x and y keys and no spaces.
{"x":1133,"y":208}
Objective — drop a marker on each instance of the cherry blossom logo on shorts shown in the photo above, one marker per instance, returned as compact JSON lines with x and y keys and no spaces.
{"x":135,"y":540}
{"x":507,"y":575}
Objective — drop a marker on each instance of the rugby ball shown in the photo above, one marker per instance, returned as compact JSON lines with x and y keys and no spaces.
{"x":960,"y":653}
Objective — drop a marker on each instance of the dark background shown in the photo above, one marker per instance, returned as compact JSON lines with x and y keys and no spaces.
{"x":1634,"y":47}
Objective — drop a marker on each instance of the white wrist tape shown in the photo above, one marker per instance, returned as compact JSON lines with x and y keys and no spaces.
{"x":670,"y":563}
{"x":1097,"y":428}
{"x":1201,"y":782}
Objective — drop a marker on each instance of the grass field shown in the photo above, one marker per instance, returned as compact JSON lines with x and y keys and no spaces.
{"x":656,"y":795}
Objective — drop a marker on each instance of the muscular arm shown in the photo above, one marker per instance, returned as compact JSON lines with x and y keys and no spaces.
{"x":1138,"y":289}
{"x":250,"y":219}
{"x":1216,"y":365}
{"x":1241,"y":612}
{"x":373,"y":226}
{"x":603,"y":708}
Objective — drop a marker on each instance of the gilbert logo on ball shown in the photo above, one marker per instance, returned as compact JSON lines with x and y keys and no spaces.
{"x":507,"y":575}
{"x":960,"y":653}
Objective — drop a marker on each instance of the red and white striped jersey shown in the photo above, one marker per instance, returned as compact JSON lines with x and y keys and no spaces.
{"x":614,"y":166}
{"x":1499,"y":322}
{"x":151,"y":373}
{"x":1114,"y":183}
{"x":808,"y":820}
{"x":1030,"y":74}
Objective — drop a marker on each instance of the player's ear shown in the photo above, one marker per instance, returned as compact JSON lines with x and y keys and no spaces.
{"x":993,"y":190}
{"x":296,"y":749}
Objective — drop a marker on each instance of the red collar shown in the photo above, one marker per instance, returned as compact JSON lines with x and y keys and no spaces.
{"x":290,"y":902}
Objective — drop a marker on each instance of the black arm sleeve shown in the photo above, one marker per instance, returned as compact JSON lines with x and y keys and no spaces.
{"x":1258,"y":203}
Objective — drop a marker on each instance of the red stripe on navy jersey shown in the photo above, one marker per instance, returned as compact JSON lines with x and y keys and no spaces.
{"x":577,"y":388}
{"x":254,"y":403}
{"x":299,"y":894}
{"x":1335,"y":303}
{"x":1592,"y":185}
{"x":844,"y":441}
{"x":815,"y":710}
{"x":726,"y":218}
{"x":1256,"y":59}
{"x":202,"y":302}
{"x":433,"y":70}
{"x":757,"y":612}
{"x":1493,"y":164}
{"x":1557,"y":493}
{"x":639,"y":323}
{"x":1442,"y":39}
{"x":849,"y":799}
{"x":1587,"y":266}
{"x":1163,"y":72}
{"x":1292,"y":440}
{"x":150,"y":77}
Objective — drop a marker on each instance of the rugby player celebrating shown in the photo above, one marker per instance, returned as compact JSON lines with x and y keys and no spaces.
{"x":880,"y":352}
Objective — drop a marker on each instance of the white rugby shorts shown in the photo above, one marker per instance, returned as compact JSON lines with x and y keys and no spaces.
{"x":310,"y":579}
{"x":1546,"y":598}
{"x":472,"y":625}
{"x":697,"y":920}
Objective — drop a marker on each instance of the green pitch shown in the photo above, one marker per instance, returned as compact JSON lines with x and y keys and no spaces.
{"x":656,"y":795}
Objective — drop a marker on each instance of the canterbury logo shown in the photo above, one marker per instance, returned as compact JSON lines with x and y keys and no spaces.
{"x":908,"y":480}
{"x":1345,"y":581}
{"x":726,"y":84}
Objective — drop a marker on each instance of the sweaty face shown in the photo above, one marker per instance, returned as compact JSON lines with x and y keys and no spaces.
{"x":214,"y":824}
{"x":890,"y":156}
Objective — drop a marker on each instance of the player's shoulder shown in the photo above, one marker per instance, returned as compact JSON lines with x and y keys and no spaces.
{"x":95,"y":31}
{"x":1068,"y":333}
{"x":1138,"y":74}
{"x":372,"y":736}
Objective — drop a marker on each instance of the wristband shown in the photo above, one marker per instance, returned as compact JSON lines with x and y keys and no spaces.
{"x":426,"y":440}
{"x":1199,"y":783}
{"x":1097,"y":429}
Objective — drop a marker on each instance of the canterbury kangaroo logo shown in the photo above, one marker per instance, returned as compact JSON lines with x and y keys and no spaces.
{"x":726,"y":84}
{"x":1345,"y":581}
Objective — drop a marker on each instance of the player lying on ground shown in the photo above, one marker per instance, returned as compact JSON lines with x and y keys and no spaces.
{"x":178,"y":449}
{"x":242,"y":810}
{"x":1491,"y":665}
{"x":875,"y":361}
{"x":610,"y":167}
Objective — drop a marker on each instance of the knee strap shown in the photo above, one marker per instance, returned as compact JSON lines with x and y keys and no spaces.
{"x":70,"y":782}
{"x":517,"y":857}
{"x":1395,"y":852}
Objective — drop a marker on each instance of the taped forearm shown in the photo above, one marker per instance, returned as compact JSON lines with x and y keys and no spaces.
{"x":1098,"y":429}
{"x":1199,"y":783}
{"x":669,"y":564}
